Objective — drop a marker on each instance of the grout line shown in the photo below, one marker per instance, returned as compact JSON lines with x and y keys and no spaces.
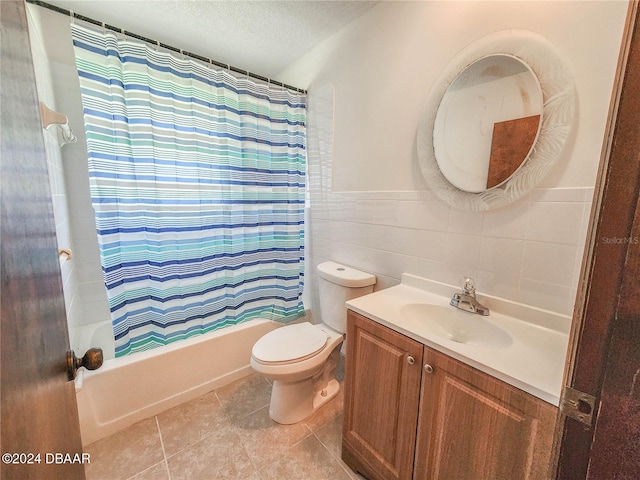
{"x":164,"y":453}
{"x":227,"y":415}
{"x":241,"y":437}
{"x":338,"y":459}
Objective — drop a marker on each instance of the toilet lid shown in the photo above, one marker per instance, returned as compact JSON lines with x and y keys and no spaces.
{"x":293,"y":342}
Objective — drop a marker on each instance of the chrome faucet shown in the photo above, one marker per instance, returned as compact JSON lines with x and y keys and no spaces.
{"x":467,"y":299}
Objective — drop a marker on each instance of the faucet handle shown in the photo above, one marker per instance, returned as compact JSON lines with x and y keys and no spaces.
{"x":468,"y":285}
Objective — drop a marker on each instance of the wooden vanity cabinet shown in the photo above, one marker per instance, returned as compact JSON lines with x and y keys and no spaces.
{"x":474,"y":426}
{"x":434,"y":417}
{"x":382,"y":394}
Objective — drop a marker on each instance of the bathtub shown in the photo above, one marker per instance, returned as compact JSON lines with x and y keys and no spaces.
{"x":129,"y":389}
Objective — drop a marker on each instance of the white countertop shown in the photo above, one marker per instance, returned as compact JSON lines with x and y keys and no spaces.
{"x":530,"y":344}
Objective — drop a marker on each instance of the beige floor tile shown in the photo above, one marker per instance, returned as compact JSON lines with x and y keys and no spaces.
{"x":265,"y":440}
{"x":245,"y":396}
{"x":330,"y":435}
{"x":125,"y":453}
{"x":157,"y":472}
{"x":307,"y":460}
{"x":226,"y":434}
{"x":219,"y":456}
{"x":191,"y":422}
{"x":255,"y":476}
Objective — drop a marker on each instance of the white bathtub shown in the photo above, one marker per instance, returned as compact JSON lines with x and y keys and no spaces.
{"x":126,"y":390}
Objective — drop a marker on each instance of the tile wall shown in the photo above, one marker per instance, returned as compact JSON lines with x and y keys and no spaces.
{"x":55,"y":165}
{"x":529,"y":251}
{"x":85,"y":297}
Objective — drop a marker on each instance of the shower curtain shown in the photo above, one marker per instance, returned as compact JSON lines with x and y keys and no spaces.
{"x":197,"y":180}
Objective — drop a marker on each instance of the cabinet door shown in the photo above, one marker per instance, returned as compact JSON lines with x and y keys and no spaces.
{"x":382,"y":387}
{"x":473,"y":426}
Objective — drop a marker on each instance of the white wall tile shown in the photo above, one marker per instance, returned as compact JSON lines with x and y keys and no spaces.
{"x":452,"y":274}
{"x":549,"y":263}
{"x":86,"y":250}
{"x":555,"y":222}
{"x":546,"y":296}
{"x":390,"y":233}
{"x":507,"y":222}
{"x":427,"y":244}
{"x":75,"y":316}
{"x":88,"y":271}
{"x":427,"y":268}
{"x":424,"y":215}
{"x":465,"y":222}
{"x":500,"y":266}
{"x":84,"y":228}
{"x":75,"y":162}
{"x":385,"y":212}
{"x":60,"y":214}
{"x":363,"y":211}
{"x":502,"y":256}
{"x":91,"y":292}
{"x":579,"y":195}
{"x":463,"y":250}
{"x":95,"y":311}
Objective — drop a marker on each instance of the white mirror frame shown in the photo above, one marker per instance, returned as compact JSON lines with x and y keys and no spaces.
{"x":558,"y":94}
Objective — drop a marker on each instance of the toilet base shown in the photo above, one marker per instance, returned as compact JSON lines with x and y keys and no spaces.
{"x":292,"y":402}
{"x":323,"y":396}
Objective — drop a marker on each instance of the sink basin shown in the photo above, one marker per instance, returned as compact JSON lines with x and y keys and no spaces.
{"x":455,"y":325}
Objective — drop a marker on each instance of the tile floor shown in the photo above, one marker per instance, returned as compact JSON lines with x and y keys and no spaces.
{"x":225,"y":434}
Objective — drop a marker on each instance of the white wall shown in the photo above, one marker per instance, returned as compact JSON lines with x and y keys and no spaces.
{"x":383,"y":65}
{"x":369,"y":205}
{"x":58,"y":86}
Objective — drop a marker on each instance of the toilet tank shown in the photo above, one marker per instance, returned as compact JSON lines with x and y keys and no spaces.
{"x":338,"y":284}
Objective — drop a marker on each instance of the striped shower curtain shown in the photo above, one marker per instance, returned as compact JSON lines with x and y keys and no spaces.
{"x":197,"y":182}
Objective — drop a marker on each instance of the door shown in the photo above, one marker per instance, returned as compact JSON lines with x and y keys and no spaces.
{"x":605,"y":356}
{"x":40,"y":429}
{"x":382,"y":388}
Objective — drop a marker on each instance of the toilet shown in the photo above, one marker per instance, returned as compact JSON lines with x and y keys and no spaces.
{"x":301,"y":359}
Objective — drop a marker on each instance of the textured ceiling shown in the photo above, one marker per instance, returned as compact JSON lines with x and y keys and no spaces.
{"x":260,"y":36}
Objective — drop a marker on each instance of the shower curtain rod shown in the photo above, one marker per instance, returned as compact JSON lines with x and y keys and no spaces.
{"x":226,"y":66}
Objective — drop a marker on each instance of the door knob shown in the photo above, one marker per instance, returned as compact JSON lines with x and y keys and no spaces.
{"x":428,"y":368}
{"x":411,"y":360}
{"x":92,"y":360}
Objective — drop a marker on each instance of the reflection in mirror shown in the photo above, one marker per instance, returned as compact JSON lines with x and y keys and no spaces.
{"x":487,"y":122}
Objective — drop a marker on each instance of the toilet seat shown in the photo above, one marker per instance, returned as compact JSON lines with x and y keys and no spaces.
{"x":292,"y":343}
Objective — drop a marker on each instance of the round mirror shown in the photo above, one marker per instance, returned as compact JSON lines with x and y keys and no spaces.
{"x":487,"y":122}
{"x":495,"y":120}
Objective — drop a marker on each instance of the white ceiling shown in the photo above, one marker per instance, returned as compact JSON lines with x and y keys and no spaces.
{"x":262,"y":36}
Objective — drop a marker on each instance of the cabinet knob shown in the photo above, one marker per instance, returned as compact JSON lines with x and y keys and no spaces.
{"x":411,"y":360}
{"x":428,"y":368}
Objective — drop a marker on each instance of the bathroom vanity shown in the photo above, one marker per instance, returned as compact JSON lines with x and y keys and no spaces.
{"x":449,"y":401}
